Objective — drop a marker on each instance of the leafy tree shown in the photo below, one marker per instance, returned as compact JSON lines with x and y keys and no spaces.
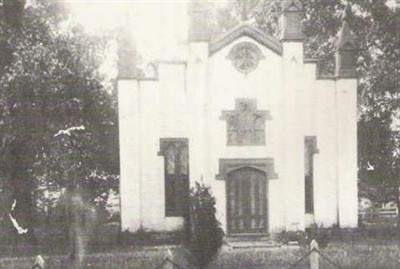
{"x":263,"y":14}
{"x":379,"y":98}
{"x":376,"y":146}
{"x":50,"y":83}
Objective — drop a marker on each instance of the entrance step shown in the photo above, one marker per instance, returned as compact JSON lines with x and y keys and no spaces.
{"x":250,"y":241}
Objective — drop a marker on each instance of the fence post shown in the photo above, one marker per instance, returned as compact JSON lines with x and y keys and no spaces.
{"x":39,"y":263}
{"x":168,"y":262}
{"x":314,"y":256}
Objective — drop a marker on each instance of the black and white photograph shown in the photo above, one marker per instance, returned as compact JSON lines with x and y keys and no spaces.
{"x":199,"y":134}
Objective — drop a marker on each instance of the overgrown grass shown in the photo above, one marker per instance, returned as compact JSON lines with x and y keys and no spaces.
{"x":349,"y":255}
{"x":138,"y":259}
{"x":54,"y":242}
{"x":352,"y":249}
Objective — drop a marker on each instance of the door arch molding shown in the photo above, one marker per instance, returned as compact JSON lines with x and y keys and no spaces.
{"x":249,"y":167}
{"x":266,"y":165}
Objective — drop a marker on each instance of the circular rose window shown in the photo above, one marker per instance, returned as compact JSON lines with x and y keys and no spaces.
{"x":245,"y":57}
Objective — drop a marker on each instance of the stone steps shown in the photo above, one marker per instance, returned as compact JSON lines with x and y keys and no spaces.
{"x":250,"y":241}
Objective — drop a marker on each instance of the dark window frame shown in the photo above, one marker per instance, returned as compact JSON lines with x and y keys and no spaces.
{"x":310,"y":149}
{"x":176,"y":183}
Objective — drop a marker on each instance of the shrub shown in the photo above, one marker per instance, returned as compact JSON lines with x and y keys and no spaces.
{"x":203,"y":232}
{"x":322,"y":235}
{"x":285,"y":237}
{"x":144,"y":237}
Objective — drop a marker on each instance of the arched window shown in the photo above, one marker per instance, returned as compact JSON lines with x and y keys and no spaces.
{"x":176,"y":175}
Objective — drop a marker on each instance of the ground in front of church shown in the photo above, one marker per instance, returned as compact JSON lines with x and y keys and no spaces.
{"x":361,"y":253}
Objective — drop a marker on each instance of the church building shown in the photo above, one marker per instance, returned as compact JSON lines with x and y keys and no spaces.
{"x":249,"y":116}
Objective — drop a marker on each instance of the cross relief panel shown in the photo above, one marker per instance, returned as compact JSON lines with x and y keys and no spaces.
{"x":245,"y":124}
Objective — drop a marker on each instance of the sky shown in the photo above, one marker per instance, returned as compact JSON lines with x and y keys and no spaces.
{"x":160,"y":26}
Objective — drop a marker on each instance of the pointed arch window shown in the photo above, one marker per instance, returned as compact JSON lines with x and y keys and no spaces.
{"x":176,"y":175}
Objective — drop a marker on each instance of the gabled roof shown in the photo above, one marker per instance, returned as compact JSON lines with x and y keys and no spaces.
{"x":249,"y":31}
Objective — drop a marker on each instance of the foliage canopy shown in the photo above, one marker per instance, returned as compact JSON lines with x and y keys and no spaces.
{"x":58,"y":116}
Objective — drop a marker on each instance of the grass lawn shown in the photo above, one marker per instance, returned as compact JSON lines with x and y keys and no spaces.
{"x":346,"y":255}
{"x":349,"y":255}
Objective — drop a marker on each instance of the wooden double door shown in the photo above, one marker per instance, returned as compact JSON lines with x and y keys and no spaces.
{"x":247,"y":201}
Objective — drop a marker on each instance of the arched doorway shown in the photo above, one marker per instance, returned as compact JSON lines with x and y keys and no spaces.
{"x":247,"y":201}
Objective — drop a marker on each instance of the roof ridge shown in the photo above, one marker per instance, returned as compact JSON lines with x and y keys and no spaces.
{"x":245,"y":29}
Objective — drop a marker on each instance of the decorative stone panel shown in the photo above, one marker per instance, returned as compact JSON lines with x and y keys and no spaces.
{"x":245,"y":124}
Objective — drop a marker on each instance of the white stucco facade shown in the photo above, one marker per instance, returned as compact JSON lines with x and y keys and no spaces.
{"x":187,"y":98}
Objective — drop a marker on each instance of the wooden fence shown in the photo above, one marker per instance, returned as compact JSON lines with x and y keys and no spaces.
{"x":314,"y":256}
{"x":167,"y":263}
{"x":376,"y":214}
{"x":388,"y":212}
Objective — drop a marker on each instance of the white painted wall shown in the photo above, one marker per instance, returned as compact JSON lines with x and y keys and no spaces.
{"x":128,"y":108}
{"x":225,"y":85}
{"x":187,"y":100}
{"x":346,"y":94}
{"x":325,"y":162}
